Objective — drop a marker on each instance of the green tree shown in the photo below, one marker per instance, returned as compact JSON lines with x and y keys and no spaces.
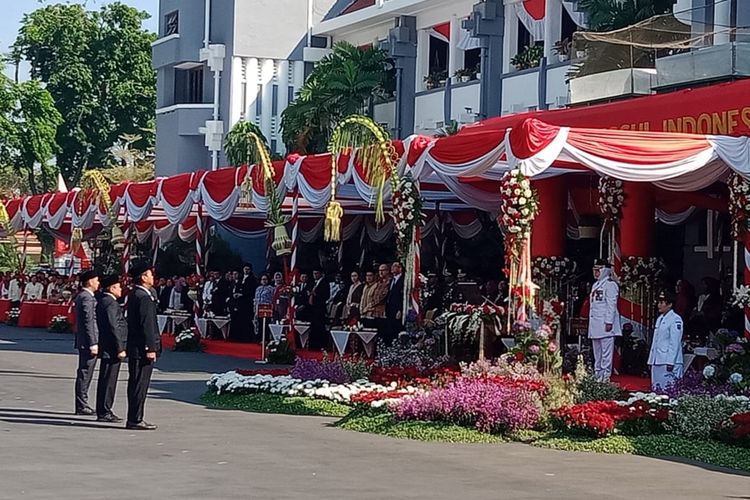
{"x":341,"y":84}
{"x":239,"y":148}
{"x":608,"y":15}
{"x":97,"y":67}
{"x":28,"y":126}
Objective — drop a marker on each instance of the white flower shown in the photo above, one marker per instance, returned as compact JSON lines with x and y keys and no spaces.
{"x":709,"y":371}
{"x":735,"y":378}
{"x":516,"y":191}
{"x":522,"y":200}
{"x":527,"y":193}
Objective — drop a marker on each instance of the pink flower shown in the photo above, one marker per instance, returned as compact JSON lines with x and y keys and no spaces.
{"x":534,"y":349}
{"x":552,"y":347}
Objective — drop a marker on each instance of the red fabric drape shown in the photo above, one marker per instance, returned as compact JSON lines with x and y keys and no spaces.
{"x":549,"y":228}
{"x":637,"y":221}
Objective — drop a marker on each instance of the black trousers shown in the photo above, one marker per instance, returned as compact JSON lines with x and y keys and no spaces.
{"x":109,"y":369}
{"x":84,"y":375}
{"x":139,"y":371}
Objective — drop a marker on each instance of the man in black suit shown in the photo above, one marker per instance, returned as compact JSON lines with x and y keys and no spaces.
{"x":86,"y":340}
{"x":394,"y":303}
{"x":321,"y":292}
{"x":143,"y":345}
{"x":164,"y":291}
{"x":113,"y":336}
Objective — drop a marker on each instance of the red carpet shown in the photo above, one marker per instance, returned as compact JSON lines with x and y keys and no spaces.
{"x":235,"y":349}
{"x":632,"y":383}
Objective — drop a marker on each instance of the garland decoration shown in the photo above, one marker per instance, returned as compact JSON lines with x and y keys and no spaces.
{"x":739,"y":205}
{"x":611,"y":199}
{"x":94,"y":184}
{"x":377,"y":156}
{"x":407,"y":213}
{"x":5,"y":223}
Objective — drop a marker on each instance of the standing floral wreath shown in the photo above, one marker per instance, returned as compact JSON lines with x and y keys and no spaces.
{"x":553,"y":268}
{"x":739,"y":205}
{"x":407,"y":213}
{"x":611,"y":198}
{"x":641,"y":271}
{"x":518,"y":209}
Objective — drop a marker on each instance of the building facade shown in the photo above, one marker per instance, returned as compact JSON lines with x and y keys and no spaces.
{"x":221,"y":61}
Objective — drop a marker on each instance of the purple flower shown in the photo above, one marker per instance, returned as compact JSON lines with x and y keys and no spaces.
{"x":534,"y":349}
{"x":693,"y":384}
{"x":735,"y":348}
{"x":488,"y":406}
{"x":311,"y":369}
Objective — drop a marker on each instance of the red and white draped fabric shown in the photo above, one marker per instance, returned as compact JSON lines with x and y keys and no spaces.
{"x":220,"y":192}
{"x":178,"y":194}
{"x":441,"y":31}
{"x":465,"y":224}
{"x":531,"y":14}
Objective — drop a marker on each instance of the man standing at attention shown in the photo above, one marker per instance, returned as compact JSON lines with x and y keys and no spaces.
{"x":86,"y":340}
{"x":113,"y":335}
{"x":394,"y":303}
{"x":604,"y":319}
{"x":665,"y":358}
{"x":144,"y":344}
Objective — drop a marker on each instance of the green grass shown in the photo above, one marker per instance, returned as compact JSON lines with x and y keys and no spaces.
{"x":658,"y":445}
{"x":274,"y":403}
{"x":382,"y":423}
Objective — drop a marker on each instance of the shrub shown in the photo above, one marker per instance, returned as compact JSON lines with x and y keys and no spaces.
{"x":700,"y":416}
{"x":356,"y":367}
{"x":481,"y":403}
{"x":312,"y":369}
{"x":736,"y":430}
{"x":590,"y":389}
{"x":279,"y":352}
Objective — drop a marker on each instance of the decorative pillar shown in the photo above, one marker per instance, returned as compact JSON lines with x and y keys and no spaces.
{"x":549,"y":229}
{"x":402,"y":48}
{"x":487,"y":23}
{"x":637,"y":225}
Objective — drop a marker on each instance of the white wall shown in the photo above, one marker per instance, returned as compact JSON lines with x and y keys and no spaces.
{"x":428,"y":112}
{"x":520,"y":91}
{"x":385,"y":113}
{"x":466,"y":96}
{"x":557,"y":85}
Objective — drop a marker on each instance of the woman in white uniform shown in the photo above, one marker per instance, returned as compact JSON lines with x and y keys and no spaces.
{"x":665,"y":359}
{"x":604,"y":319}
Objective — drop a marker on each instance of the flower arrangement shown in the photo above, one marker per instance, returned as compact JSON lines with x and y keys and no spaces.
{"x":601,"y":418}
{"x":337,"y":371}
{"x":59,"y":324}
{"x":487,"y":405}
{"x":552,"y":311}
{"x":611,"y":198}
{"x":420,"y":356}
{"x":536,"y":347}
{"x":641,"y":271}
{"x":463,"y":321}
{"x":736,"y":430}
{"x":407,"y":213}
{"x":553,"y":268}
{"x":278,"y":352}
{"x":188,"y":340}
{"x":699,"y":416}
{"x":518,"y":209}
{"x":11,"y":317}
{"x":741,"y":297}
{"x":739,"y":205}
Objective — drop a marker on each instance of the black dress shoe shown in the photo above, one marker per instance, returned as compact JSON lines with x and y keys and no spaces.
{"x":85,"y":411}
{"x":140,"y":426}
{"x":111,"y":418}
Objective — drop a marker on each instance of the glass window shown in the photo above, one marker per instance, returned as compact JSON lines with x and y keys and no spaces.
{"x":172,"y":23}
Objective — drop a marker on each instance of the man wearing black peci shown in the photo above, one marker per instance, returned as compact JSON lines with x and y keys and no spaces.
{"x":87,"y":340}
{"x":394,"y":303}
{"x":113,"y":335}
{"x":144,"y":343}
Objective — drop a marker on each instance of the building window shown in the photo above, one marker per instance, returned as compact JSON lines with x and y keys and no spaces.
{"x":259,"y":101}
{"x":172,"y":23}
{"x":275,"y":101}
{"x":188,"y":86}
{"x":273,"y":146}
{"x":290,"y":94}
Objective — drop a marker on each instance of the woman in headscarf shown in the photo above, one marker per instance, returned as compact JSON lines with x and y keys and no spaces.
{"x":604,"y":319}
{"x":280,"y":297}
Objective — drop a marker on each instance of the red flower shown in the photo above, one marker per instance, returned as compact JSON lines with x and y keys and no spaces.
{"x":520,"y":356}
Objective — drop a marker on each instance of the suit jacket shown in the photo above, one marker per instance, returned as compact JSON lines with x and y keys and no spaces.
{"x":394,"y":301}
{"x":164,"y":293}
{"x":321,"y":292}
{"x":248,"y":286}
{"x":143,"y":329}
{"x":87,"y":332}
{"x":113,"y":330}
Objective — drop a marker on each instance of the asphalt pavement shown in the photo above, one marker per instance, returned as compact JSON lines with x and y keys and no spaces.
{"x":46,"y":452}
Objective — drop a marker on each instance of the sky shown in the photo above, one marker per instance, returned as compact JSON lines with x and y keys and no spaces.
{"x":13,"y":11}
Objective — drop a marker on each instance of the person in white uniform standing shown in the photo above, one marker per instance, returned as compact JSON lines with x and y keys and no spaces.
{"x":604,"y":319}
{"x":665,"y":359}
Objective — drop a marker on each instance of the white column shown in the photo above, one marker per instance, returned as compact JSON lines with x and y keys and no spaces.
{"x":722,"y":22}
{"x":266,"y":79}
{"x":299,"y":75}
{"x":423,"y":58}
{"x":251,"y":89}
{"x":510,"y":45}
{"x":235,"y":93}
{"x":455,"y":55}
{"x":552,"y":28}
{"x":283,"y":79}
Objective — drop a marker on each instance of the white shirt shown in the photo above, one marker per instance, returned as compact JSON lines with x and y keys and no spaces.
{"x":51,"y":289}
{"x":666,"y":348}
{"x":33,"y":291}
{"x":14,"y":290}
{"x":175,"y":299}
{"x":208,"y":290}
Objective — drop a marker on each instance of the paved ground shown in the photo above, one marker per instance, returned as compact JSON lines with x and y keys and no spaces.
{"x":47,"y":453}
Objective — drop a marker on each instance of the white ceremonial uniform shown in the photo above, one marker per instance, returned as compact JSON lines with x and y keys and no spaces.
{"x":603,"y":311}
{"x":666,"y":349}
{"x":33,"y":291}
{"x":14,"y":290}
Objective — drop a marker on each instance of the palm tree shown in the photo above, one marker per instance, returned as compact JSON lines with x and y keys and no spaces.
{"x":608,"y":15}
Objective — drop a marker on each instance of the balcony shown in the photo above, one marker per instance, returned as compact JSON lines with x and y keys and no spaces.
{"x":184,"y":119}
{"x":429,"y":106}
{"x":612,"y":84}
{"x":165,"y":51}
{"x":706,"y":64}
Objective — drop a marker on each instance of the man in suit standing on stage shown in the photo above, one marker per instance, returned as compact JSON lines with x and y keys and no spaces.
{"x":319,"y":296}
{"x":144,"y":343}
{"x":86,"y":340}
{"x":113,"y":336}
{"x":394,"y":303}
